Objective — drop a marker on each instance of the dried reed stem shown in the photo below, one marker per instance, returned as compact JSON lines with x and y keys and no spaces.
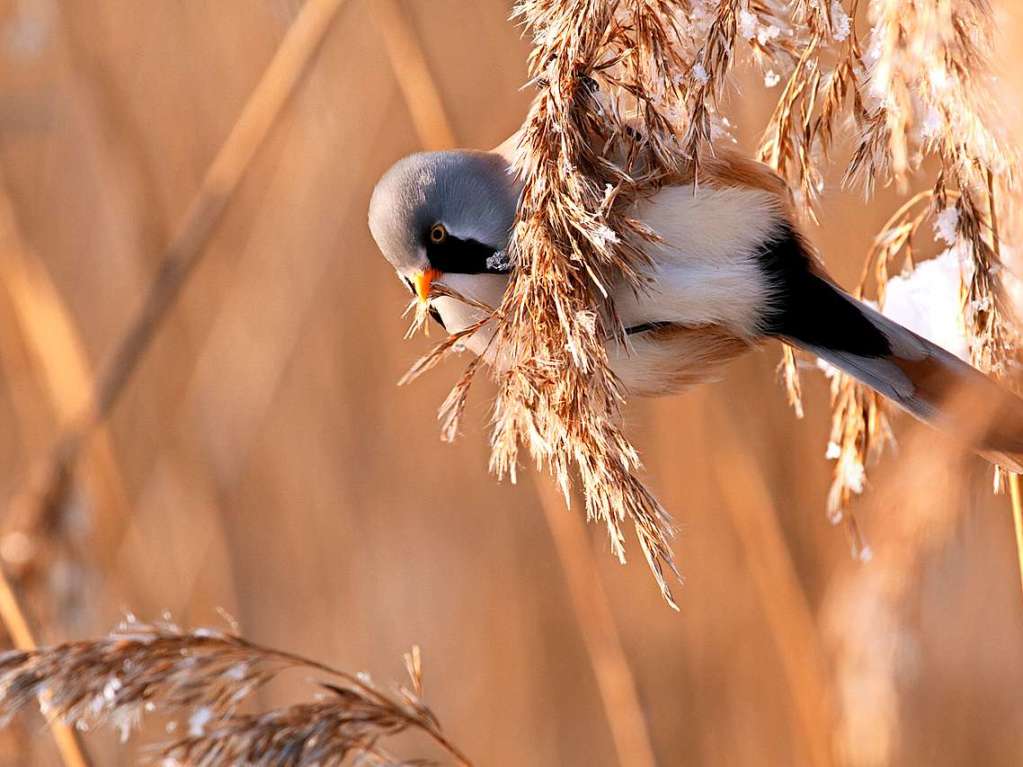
{"x":52,"y":480}
{"x":1017,"y":519}
{"x":48,"y":330}
{"x":1014,"y":486}
{"x":15,"y":621}
{"x":59,"y":352}
{"x":782,"y":598}
{"x":603,"y":642}
{"x":186,"y":248}
{"x":418,"y":87}
{"x":870,"y":613}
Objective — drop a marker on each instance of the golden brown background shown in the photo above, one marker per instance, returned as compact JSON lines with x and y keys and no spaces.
{"x":263,"y":460}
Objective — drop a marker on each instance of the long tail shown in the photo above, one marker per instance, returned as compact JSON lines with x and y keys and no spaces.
{"x":930,"y":383}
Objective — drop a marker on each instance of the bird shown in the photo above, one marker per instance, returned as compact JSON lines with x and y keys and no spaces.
{"x":729,"y":271}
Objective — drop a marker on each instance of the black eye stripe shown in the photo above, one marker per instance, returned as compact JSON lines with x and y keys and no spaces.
{"x":457,"y":256}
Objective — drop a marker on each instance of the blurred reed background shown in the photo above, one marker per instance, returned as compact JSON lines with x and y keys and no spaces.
{"x":261,"y":459}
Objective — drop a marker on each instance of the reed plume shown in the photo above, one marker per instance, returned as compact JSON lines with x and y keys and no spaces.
{"x":626,"y":103}
{"x":202,"y":678}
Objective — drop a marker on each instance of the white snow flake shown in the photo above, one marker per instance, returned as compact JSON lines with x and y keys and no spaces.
{"x":498,"y":261}
{"x":927,"y":302}
{"x":841,"y":24}
{"x":946,"y":225}
{"x":747,"y":24}
{"x":198,"y":721}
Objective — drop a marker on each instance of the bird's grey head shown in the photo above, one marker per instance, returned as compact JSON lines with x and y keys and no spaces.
{"x":438,"y":213}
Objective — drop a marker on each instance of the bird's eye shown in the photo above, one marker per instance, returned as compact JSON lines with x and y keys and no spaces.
{"x":438,"y":234}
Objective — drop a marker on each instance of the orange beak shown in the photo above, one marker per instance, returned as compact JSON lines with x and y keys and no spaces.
{"x":424,"y":281}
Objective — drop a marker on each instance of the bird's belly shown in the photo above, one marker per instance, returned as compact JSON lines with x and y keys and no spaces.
{"x":659,"y":361}
{"x":671,"y":359}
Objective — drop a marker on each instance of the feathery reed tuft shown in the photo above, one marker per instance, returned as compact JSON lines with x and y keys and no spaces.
{"x":205,"y":676}
{"x":626,"y":103}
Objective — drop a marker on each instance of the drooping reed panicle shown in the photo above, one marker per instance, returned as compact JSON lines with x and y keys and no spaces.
{"x":203,"y":677}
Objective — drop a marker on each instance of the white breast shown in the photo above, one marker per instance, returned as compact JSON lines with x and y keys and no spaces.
{"x":705,"y":269}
